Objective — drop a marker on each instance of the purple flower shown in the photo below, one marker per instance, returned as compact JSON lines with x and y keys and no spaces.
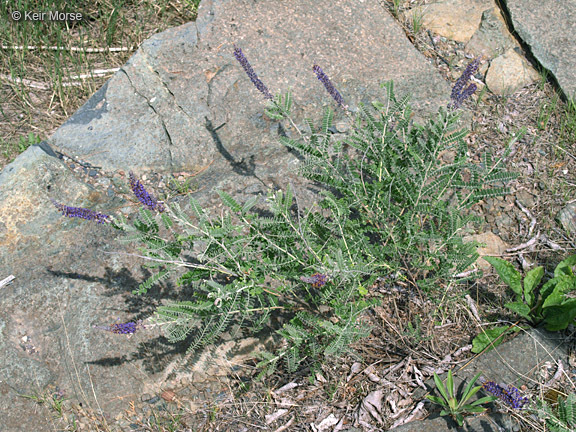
{"x":317,"y":280}
{"x":122,"y":328}
{"x":510,"y":396}
{"x":250,"y":72}
{"x":328,"y":84}
{"x":143,"y":196}
{"x":83,"y":213}
{"x":458,"y":95}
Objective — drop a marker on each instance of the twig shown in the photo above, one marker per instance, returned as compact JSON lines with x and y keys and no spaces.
{"x":284,"y":388}
{"x":527,"y":213}
{"x":525,"y":264}
{"x":416,"y":411}
{"x":448,"y":357}
{"x":28,"y":83}
{"x":56,"y":48}
{"x":529,"y":243}
{"x":465,"y":273}
{"x":472,"y":306}
{"x":95,"y":72}
{"x":462,"y":349}
{"x":554,"y":246}
{"x":557,"y":375}
{"x":569,"y":240}
{"x":565,"y":151}
{"x":177,"y":263}
{"x":438,"y":327}
{"x":285,"y":426}
{"x":43,"y":86}
{"x":436,"y":49}
{"x":7,"y":281}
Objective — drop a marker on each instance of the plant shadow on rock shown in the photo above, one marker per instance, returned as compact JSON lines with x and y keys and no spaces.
{"x":156,"y":353}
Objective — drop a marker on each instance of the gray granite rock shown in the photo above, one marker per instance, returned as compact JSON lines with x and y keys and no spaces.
{"x":548,"y":29}
{"x":154,"y":113}
{"x":64,"y":283}
{"x":567,"y":218}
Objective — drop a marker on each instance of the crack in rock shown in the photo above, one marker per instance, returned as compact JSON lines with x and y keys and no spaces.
{"x":165,"y":85}
{"x":160,"y":118}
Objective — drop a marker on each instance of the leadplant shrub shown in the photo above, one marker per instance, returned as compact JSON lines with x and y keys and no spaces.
{"x":393,"y":202}
{"x":562,"y":417}
{"x":247,"y":266}
{"x":399,"y":190}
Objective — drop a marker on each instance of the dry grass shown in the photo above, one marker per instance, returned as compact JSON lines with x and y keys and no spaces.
{"x":42,"y":87}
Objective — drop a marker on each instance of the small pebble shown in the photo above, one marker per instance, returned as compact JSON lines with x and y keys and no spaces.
{"x":342,"y":127}
{"x":103,"y":182}
{"x":153,"y":400}
{"x":168,"y":395}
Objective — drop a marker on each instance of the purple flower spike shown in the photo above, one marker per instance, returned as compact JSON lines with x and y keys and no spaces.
{"x":122,"y":328}
{"x":143,"y":196}
{"x":250,"y":72}
{"x":317,"y":280}
{"x":82,"y":213}
{"x":329,"y":86}
{"x":510,"y":396}
{"x":458,"y":94}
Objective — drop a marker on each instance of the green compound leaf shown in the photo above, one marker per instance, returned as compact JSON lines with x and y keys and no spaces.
{"x":229,"y":201}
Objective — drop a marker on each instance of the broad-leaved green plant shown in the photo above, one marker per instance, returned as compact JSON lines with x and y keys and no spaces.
{"x":553,"y":304}
{"x":454,"y":406}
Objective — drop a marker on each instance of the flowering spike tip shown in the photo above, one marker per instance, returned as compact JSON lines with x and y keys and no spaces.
{"x":328,"y":85}
{"x":250,"y":72}
{"x":82,"y":213}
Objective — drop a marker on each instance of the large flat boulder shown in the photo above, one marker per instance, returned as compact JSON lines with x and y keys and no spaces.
{"x":153,"y":114}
